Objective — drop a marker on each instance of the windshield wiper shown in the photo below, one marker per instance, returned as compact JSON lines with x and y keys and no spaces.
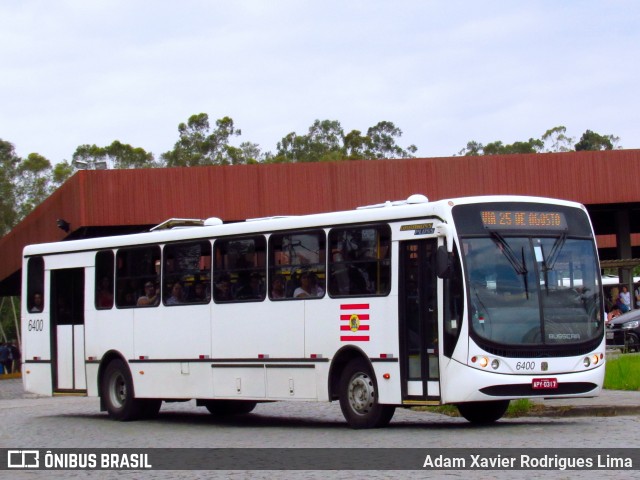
{"x":507,"y":251}
{"x":550,"y":261}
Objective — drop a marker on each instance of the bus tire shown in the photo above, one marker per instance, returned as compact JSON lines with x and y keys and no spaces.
{"x":225,"y":408}
{"x":117,"y":392}
{"x":359,"y":397}
{"x":483,"y":413}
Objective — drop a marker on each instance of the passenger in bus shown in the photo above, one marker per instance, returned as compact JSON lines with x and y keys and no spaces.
{"x":177,"y":295}
{"x":199,"y":293}
{"x":36,"y":306}
{"x":222,"y":292}
{"x":252,"y":290}
{"x":308,"y":286}
{"x":277,"y":287}
{"x":104,"y":296}
{"x":151,"y":296}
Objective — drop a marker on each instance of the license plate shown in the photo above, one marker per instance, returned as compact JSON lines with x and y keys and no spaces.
{"x":544,"y":383}
{"x":609,"y":335}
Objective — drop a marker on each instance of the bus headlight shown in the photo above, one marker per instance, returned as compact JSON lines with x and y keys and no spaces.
{"x":495,"y":364}
{"x":484,"y":361}
{"x":586,"y":361}
{"x":595,"y":358}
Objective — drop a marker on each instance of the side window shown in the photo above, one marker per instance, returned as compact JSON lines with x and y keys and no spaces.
{"x":187,"y":273}
{"x":360,"y":261}
{"x":104,"y":280}
{"x":453,"y":306}
{"x":297,"y":265}
{"x":35,"y":285}
{"x":138,"y":277}
{"x":240,"y":270}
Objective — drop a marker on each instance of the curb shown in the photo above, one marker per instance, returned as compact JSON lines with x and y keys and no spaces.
{"x":9,"y":376}
{"x":586,"y":411}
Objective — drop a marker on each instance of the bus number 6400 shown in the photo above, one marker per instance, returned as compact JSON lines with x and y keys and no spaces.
{"x":36,"y":325}
{"x":526,"y":366}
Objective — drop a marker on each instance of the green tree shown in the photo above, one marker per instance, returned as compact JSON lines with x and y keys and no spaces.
{"x":472,"y":149}
{"x":61,"y":172}
{"x":200,"y":145}
{"x":34,"y":184}
{"x":323,"y":142}
{"x":382,"y":142}
{"x":594,"y":141}
{"x":557,"y":140}
{"x":326,"y":141}
{"x":117,"y":155}
{"x":8,"y":169}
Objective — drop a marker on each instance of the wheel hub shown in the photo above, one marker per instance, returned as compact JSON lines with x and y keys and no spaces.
{"x":361,"y":393}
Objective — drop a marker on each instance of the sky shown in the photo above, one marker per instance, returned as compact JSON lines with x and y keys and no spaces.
{"x":445,"y":72}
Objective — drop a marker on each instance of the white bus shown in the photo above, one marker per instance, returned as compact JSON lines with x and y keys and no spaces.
{"x":462,"y":301}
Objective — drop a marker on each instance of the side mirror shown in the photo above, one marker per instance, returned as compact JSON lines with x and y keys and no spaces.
{"x":444,"y":262}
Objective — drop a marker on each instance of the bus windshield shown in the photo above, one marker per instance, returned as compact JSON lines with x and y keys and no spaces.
{"x":533,"y":291}
{"x":530,"y":286}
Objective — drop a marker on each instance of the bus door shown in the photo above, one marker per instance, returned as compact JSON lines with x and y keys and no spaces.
{"x":418,"y":304}
{"x":67,"y":326}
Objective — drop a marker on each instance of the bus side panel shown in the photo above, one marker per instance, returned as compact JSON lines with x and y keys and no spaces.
{"x":375,"y":332}
{"x":106,"y":330}
{"x":246,"y":330}
{"x":179,"y":380}
{"x":239,"y":381}
{"x":176,"y":332}
{"x":289,"y":383}
{"x":36,"y":346}
{"x":36,"y":378}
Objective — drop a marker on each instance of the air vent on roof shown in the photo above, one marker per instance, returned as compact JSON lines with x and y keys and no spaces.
{"x":179,"y":222}
{"x":259,"y":219}
{"x":412,"y":200}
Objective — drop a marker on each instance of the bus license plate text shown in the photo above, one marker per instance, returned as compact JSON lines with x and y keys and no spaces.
{"x":544,"y":383}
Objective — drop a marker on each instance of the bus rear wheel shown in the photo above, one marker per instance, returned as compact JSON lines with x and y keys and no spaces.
{"x":225,"y":408}
{"x":117,"y":392}
{"x":483,"y":413}
{"x":359,"y":397}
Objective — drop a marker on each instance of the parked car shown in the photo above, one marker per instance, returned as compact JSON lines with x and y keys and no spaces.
{"x":624,"y":331}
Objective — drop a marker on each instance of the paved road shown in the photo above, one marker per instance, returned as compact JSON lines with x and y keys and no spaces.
{"x":75,"y":422}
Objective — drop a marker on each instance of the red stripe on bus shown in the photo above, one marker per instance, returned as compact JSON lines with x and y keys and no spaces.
{"x":355,"y":306}
{"x":364,"y":316}
{"x":355,"y":339}
{"x":361,"y":327}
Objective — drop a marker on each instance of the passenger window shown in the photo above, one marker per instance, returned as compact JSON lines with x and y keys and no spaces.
{"x":360,"y":261}
{"x":187,"y":273}
{"x":138,"y":277}
{"x":35,"y":285}
{"x":297,"y":265}
{"x":104,"y":280}
{"x":240,"y":270}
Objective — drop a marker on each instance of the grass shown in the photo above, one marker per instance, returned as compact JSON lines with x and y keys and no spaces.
{"x":623,"y":372}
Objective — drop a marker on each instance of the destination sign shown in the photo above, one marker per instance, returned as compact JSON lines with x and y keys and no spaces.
{"x":521,"y":220}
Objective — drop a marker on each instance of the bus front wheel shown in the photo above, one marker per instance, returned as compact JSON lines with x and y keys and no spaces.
{"x":117,"y":393}
{"x":359,"y":397}
{"x":483,"y":413}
